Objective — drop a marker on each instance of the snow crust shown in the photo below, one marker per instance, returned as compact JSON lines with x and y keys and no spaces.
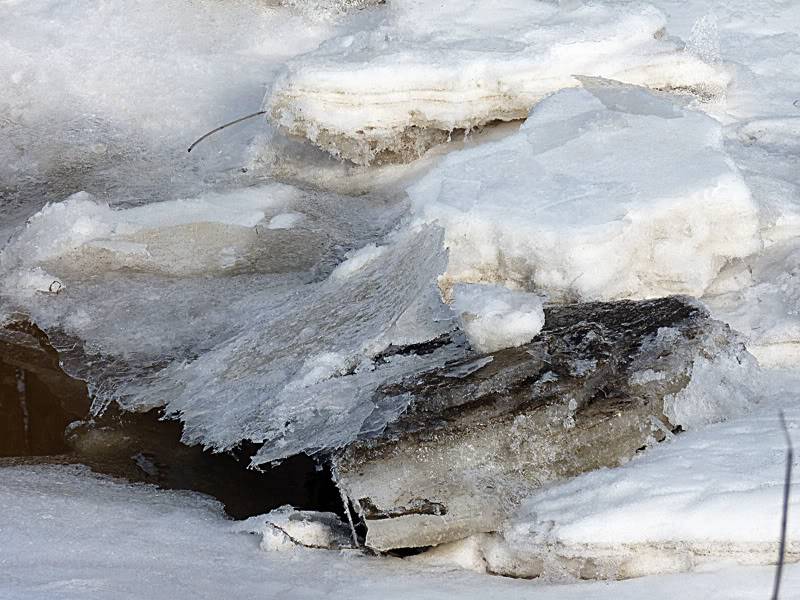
{"x":706,"y":496}
{"x":455,"y":65}
{"x":494,"y":317}
{"x":606,"y":192}
{"x":70,"y":534}
{"x":392,"y":91}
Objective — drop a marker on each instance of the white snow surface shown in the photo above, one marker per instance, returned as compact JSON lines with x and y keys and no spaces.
{"x":606,"y":192}
{"x":457,"y":65}
{"x":708,"y":495}
{"x":494,"y":317}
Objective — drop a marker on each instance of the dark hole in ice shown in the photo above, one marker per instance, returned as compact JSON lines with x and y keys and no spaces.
{"x":44,"y":417}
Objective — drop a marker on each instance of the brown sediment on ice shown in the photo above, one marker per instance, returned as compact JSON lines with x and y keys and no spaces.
{"x":480,"y":435}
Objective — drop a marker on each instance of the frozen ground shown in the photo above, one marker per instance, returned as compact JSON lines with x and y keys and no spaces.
{"x":230,"y":287}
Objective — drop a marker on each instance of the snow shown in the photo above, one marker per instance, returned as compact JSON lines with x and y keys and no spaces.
{"x":70,"y":534}
{"x":494,"y":317}
{"x":606,"y":192}
{"x":256,"y":309}
{"x":706,"y":496}
{"x":392,"y":91}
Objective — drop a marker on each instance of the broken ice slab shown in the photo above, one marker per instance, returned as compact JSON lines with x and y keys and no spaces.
{"x":388,"y":94}
{"x":605,"y":193}
{"x":759,"y":297}
{"x":287,"y":528}
{"x":599,"y":383}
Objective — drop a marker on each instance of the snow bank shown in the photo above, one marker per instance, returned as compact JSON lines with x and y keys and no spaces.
{"x":391,"y":92}
{"x":606,"y":192}
{"x":494,"y":317}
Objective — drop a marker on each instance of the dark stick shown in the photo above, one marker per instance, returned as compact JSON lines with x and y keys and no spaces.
{"x":787,"y":483}
{"x":221,"y":127}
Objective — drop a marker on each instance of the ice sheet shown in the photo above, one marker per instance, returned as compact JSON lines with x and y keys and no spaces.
{"x":606,"y":192}
{"x":389,"y":93}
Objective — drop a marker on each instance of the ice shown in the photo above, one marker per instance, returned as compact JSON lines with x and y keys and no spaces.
{"x":322,"y":10}
{"x":286,"y":529}
{"x":73,"y":535}
{"x":356,"y":260}
{"x":201,"y":235}
{"x":707,"y":496}
{"x":494,"y":317}
{"x":598,"y":385}
{"x":606,"y":192}
{"x":106,"y":97}
{"x":252,"y":309}
{"x":390,"y":92}
{"x":760,"y":297}
{"x":241,"y":330}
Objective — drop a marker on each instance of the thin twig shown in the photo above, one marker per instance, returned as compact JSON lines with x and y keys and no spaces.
{"x":787,"y":483}
{"x":221,"y":127}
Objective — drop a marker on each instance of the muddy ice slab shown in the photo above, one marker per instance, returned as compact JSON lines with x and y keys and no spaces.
{"x":710,"y":496}
{"x":389,"y":93}
{"x":601,"y":382}
{"x":606,"y":192}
